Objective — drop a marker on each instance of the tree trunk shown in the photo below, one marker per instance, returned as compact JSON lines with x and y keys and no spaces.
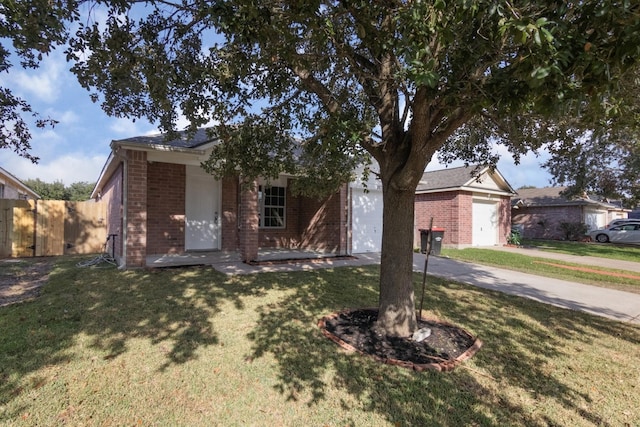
{"x":396,"y":311}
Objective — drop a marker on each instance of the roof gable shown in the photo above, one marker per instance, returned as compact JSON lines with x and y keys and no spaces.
{"x":8,"y":179}
{"x":467,"y":178}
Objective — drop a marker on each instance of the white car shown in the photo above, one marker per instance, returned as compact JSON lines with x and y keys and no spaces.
{"x":623,"y":233}
{"x":621,"y":221}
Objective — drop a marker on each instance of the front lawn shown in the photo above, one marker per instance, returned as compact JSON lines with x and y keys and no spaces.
{"x":192,"y":347}
{"x":601,"y":250}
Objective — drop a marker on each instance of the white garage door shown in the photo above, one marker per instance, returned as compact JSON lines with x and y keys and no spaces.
{"x":366,"y":221}
{"x":485,"y":223}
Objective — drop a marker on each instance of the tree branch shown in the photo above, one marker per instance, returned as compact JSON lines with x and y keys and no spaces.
{"x":315,"y":86}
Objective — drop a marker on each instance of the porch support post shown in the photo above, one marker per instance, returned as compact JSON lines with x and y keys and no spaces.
{"x":249,"y":222}
{"x":136,"y":188}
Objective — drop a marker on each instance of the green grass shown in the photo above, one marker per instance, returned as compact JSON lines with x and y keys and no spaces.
{"x":192,"y":347}
{"x":601,"y":250}
{"x":541,"y":267}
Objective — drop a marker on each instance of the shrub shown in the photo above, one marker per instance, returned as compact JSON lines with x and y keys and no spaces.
{"x":573,"y":230}
{"x":514,"y":238}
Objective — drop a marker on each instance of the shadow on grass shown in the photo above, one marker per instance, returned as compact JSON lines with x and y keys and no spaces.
{"x":520,"y":338}
{"x":174,"y":308}
{"x":171,"y":308}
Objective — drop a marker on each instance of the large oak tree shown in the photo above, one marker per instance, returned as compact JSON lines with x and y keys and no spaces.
{"x":28,"y":30}
{"x":394,"y":80}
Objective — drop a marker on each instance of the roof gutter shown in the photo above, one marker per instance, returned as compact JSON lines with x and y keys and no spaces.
{"x":470,"y":189}
{"x":103,"y":175}
{"x":156,"y":147}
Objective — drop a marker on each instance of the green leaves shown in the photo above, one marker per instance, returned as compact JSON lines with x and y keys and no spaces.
{"x":391,"y":79}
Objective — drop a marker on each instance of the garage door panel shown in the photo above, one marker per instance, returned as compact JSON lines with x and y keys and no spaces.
{"x":366,"y":221}
{"x":485,"y":223}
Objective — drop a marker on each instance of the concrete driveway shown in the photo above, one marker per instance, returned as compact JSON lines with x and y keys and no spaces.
{"x":611,"y":303}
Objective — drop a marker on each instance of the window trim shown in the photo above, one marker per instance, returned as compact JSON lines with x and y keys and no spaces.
{"x":262,"y":206}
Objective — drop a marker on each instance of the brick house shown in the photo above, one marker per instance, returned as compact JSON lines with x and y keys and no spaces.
{"x":12,"y":188}
{"x":538,"y":212}
{"x":472,"y":204}
{"x":160,"y":201}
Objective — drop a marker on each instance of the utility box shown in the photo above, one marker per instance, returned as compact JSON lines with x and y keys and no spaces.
{"x":431,"y":240}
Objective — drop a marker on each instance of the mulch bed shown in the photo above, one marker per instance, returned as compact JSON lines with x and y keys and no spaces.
{"x":446,"y":347}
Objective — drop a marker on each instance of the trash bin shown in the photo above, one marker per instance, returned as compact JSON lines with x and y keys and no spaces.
{"x":435,"y":246}
{"x":424,"y":240}
{"x":436,"y":240}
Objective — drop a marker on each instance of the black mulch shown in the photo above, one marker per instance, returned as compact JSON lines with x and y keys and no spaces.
{"x":355,"y":327}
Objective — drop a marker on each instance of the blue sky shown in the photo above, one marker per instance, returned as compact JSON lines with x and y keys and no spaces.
{"x":76,"y":149}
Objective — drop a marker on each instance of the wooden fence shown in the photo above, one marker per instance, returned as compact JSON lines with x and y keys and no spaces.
{"x":51,"y":227}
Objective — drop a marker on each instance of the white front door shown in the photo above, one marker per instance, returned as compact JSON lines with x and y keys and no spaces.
{"x":202,"y":210}
{"x":485,"y":223}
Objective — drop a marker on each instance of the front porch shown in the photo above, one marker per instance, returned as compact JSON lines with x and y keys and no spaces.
{"x":265,"y":255}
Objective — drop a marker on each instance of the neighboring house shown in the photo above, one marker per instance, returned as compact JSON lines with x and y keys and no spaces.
{"x":12,"y":188}
{"x":472,"y":205}
{"x":160,"y":201}
{"x":538,"y":212}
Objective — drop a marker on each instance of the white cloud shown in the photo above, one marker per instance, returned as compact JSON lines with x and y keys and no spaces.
{"x":44,"y":83}
{"x":67,"y":117}
{"x":128,"y":128}
{"x":69,"y":168}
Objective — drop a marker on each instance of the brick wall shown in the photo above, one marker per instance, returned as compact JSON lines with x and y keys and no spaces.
{"x":463,"y":230}
{"x":248,"y":224}
{"x":451,"y":210}
{"x":230,"y":200}
{"x":165,"y":208}
{"x":112,"y":195}
{"x":289,"y":236}
{"x":323,"y":223}
{"x":505,"y":220}
{"x":316,"y":224}
{"x":136,"y":208}
{"x":544,"y":222}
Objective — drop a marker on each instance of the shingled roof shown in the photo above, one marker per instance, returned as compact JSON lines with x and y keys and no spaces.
{"x":461,"y":178}
{"x":184,"y":140}
{"x":552,"y":196}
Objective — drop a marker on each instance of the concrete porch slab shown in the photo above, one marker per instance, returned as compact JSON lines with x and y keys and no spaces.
{"x":228,"y":257}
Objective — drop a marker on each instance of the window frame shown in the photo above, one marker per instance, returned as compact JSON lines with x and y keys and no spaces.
{"x":263,"y":206}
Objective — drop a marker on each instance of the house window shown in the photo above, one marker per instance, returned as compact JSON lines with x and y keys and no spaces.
{"x":272,"y":202}
{"x":1,"y":191}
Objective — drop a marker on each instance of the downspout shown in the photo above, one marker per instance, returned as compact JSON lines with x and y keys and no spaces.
{"x":125,"y":180}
